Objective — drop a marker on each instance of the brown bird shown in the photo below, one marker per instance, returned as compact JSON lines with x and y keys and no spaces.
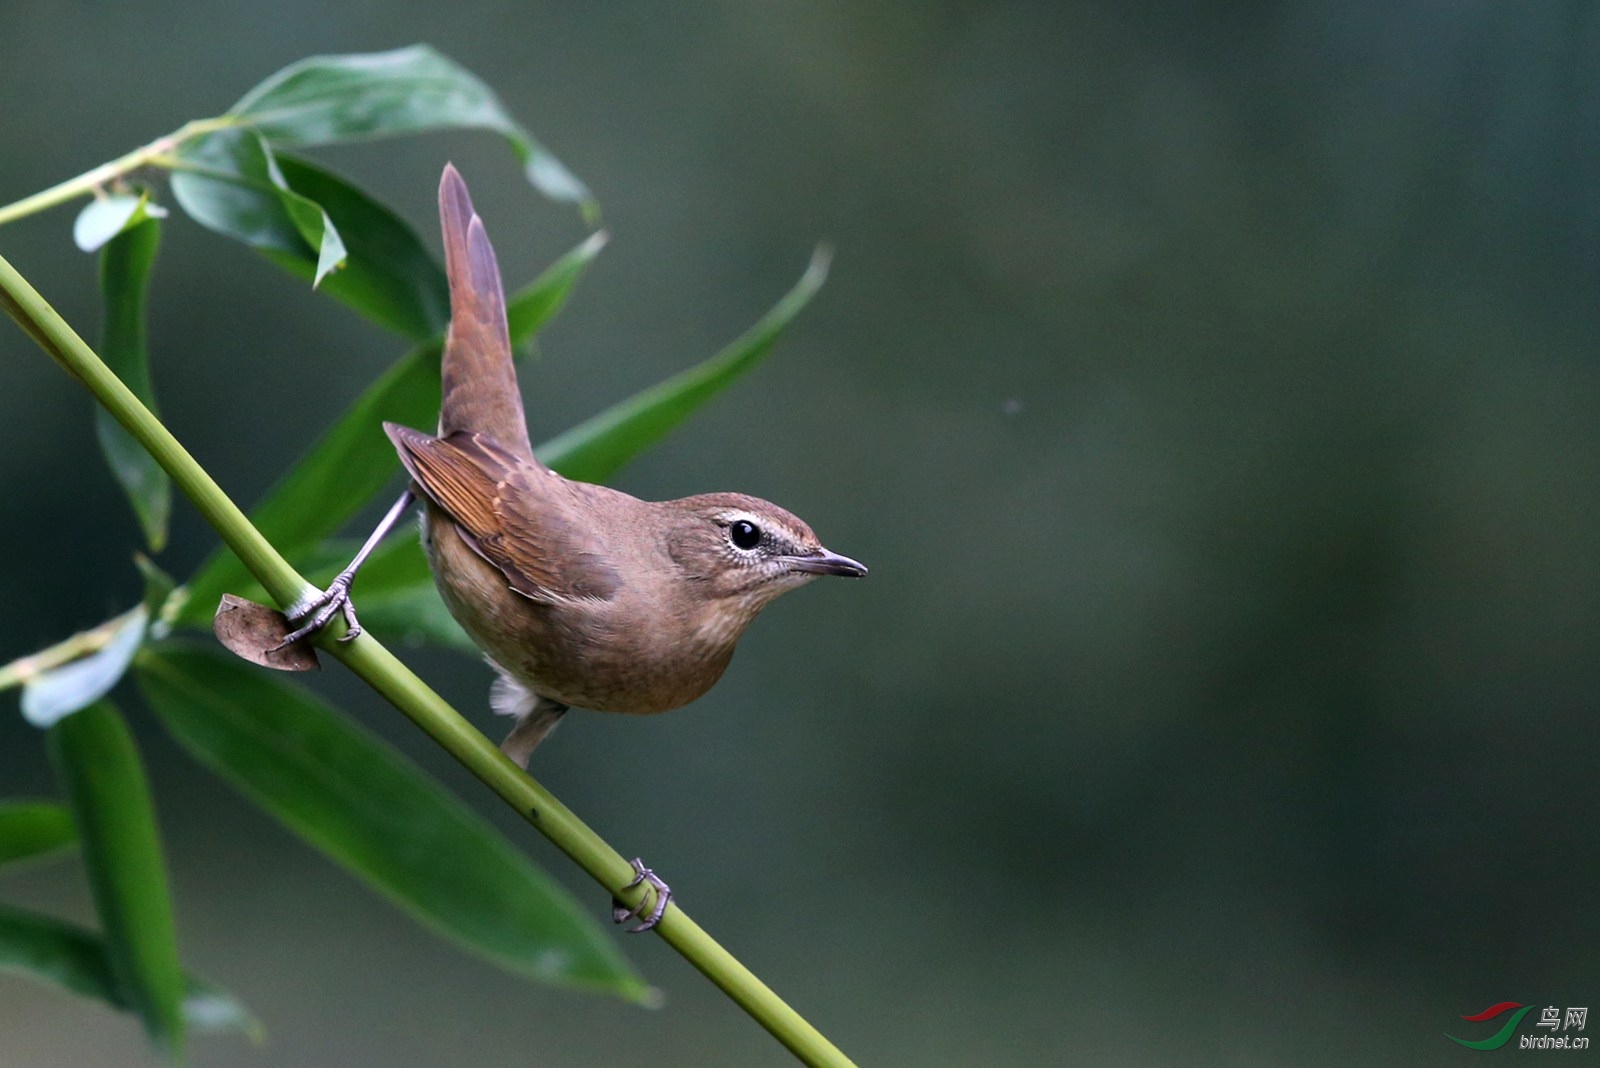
{"x":580,"y":595}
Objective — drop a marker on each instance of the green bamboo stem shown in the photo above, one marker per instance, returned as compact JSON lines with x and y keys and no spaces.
{"x":99,"y":177}
{"x":384,"y":672}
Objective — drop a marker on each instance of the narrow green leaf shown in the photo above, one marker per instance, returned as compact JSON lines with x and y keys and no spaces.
{"x":414,"y":615}
{"x":76,"y":960}
{"x":220,"y":180}
{"x":125,"y":264}
{"x":594,"y":449}
{"x":335,"y":479}
{"x":100,"y":771}
{"x":398,"y":599}
{"x":105,"y":217}
{"x":325,"y":99}
{"x":368,"y":807}
{"x":158,"y":586}
{"x":353,"y":461}
{"x":230,"y":182}
{"x":61,"y":691}
{"x":390,"y":276}
{"x":30,"y":829}
{"x":542,"y":299}
{"x":318,"y":231}
{"x":58,"y":952}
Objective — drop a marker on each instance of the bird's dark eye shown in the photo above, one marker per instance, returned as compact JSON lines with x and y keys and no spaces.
{"x":744,"y":534}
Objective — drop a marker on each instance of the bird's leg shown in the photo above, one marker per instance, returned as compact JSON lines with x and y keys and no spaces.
{"x":621,"y":913}
{"x":534,"y":724}
{"x":315,"y":612}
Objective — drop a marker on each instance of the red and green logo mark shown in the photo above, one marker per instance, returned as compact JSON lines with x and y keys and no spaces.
{"x":1500,"y":1037}
{"x":1561,"y":1029}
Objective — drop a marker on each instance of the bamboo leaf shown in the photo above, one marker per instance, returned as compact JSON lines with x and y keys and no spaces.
{"x":61,"y":691}
{"x":158,"y":587}
{"x":594,"y":449}
{"x":400,"y":601}
{"x":63,"y":954}
{"x":125,"y":265}
{"x":31,"y":829}
{"x":390,"y":277}
{"x":398,"y":598}
{"x":105,"y":217}
{"x":377,"y":814}
{"x":326,"y":99}
{"x":541,"y":300}
{"x":77,"y":960}
{"x":337,"y":477}
{"x":99,"y":769}
{"x":230,"y":182}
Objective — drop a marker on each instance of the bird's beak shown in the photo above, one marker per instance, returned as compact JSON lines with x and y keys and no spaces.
{"x":822,"y":562}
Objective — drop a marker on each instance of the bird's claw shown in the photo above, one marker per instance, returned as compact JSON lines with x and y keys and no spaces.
{"x":621,"y":913}
{"x":318,"y":611}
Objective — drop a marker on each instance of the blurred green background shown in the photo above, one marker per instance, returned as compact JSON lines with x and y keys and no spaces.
{"x":1211,"y":390}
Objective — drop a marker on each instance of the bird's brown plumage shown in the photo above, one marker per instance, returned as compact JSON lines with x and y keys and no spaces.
{"x":579,"y":594}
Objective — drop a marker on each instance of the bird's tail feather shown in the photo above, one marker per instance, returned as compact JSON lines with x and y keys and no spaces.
{"x":479,"y":379}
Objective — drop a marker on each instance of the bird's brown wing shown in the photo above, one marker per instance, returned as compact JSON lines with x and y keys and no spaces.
{"x":510,"y":512}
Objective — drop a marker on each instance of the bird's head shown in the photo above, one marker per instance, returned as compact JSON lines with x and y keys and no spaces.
{"x":743,"y":551}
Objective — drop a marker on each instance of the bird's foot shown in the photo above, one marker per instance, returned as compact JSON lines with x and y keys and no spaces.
{"x":317,"y":611}
{"x":621,"y":913}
